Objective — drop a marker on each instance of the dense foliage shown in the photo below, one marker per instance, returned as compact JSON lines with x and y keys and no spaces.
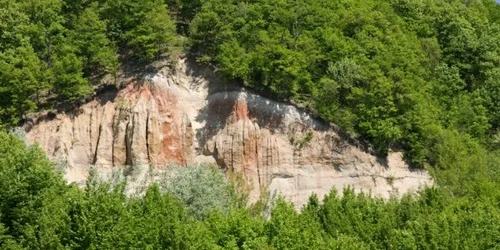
{"x":59,"y":49}
{"x":396,"y":73}
{"x":39,"y":211}
{"x":399,"y":73}
{"x":418,"y":75}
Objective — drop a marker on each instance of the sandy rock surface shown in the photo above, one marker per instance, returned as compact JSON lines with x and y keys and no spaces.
{"x":189,"y":117}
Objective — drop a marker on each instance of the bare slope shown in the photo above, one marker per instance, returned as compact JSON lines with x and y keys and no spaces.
{"x":188,"y":117}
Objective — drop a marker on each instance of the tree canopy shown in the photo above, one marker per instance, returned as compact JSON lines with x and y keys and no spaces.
{"x":39,"y":211}
{"x":60,"y":49}
{"x":422,"y":76}
{"x":392,"y":72}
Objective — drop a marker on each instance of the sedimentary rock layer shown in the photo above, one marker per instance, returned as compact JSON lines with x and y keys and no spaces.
{"x":187,"y":116}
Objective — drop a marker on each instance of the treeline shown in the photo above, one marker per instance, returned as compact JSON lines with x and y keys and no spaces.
{"x":60,"y":49}
{"x":199,"y":209}
{"x":398,"y":73}
{"x":417,"y":75}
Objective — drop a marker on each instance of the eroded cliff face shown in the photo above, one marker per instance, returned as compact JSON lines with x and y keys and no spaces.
{"x":188,"y":117}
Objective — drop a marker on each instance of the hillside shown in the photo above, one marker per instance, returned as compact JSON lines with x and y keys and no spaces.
{"x":293,"y":96}
{"x":186,"y":116}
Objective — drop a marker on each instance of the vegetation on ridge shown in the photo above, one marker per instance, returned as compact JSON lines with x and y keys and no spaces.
{"x":39,"y":211}
{"x":417,"y":75}
{"x":397,"y":73}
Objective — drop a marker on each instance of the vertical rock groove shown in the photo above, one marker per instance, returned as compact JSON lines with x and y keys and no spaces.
{"x":147,"y":138}
{"x":258,"y":160}
{"x":128,"y":145}
{"x":129,"y":141}
{"x":94,"y":161}
{"x":114,"y":135}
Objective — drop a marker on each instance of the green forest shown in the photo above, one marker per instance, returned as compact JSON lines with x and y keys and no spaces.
{"x":420,"y":76}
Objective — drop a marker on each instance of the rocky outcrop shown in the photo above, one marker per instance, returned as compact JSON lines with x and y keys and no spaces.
{"x":188,"y":117}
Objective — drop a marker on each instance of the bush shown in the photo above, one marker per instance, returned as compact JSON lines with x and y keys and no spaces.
{"x":202,"y":189}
